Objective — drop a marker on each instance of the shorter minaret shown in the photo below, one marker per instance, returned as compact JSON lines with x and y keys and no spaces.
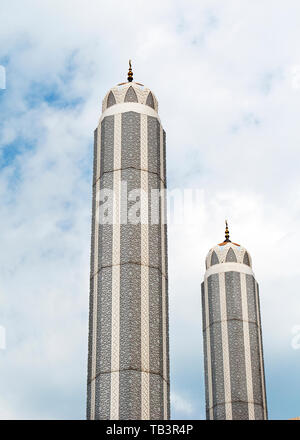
{"x":232,"y":338}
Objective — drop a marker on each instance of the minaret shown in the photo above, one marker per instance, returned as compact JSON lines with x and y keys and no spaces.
{"x":128,"y":362}
{"x":232,"y":338}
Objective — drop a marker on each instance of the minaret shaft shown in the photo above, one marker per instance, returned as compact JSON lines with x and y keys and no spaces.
{"x":128,"y":366}
{"x":232,"y":338}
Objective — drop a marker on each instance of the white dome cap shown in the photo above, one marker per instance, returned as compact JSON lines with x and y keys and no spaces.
{"x":228,"y":252}
{"x":130,"y":92}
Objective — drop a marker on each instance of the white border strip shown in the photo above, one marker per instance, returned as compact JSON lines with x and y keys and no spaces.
{"x":163,"y":278}
{"x":208,"y":354}
{"x":145,"y":331}
{"x":95,"y":280}
{"x":260,"y":352}
{"x":129,"y":107}
{"x":115,"y":318}
{"x":225,"y":347}
{"x":247,"y":349}
{"x":228,"y":267}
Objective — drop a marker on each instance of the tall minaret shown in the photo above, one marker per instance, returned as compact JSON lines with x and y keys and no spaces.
{"x":232,"y":338}
{"x":128,"y":362}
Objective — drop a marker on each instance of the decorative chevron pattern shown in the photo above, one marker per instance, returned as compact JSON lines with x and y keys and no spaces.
{"x":118,"y":95}
{"x":229,"y":252}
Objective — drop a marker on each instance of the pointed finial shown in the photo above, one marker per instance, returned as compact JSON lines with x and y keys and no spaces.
{"x":226,"y":232}
{"x":130,"y":73}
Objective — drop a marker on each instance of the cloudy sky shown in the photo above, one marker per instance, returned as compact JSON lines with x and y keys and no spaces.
{"x":227,"y":77}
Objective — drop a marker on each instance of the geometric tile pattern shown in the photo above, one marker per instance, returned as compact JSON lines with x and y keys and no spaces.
{"x":230,"y":252}
{"x":233,"y":354}
{"x":130,"y":92}
{"x":130,"y":95}
{"x":150,"y":100}
{"x":128,"y":355}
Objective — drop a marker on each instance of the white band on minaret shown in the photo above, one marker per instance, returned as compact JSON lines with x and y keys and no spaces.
{"x":249,"y":380}
{"x":163,"y":278}
{"x":144,"y":273}
{"x":226,"y":365}
{"x":129,"y":107}
{"x":95,"y":280}
{"x":115,"y":325}
{"x":228,"y":267}
{"x":208,"y":354}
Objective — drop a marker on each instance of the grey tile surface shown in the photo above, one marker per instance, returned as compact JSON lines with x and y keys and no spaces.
{"x":111,"y":100}
{"x":130,"y":95}
{"x":233,"y":295}
{"x":130,"y":317}
{"x":230,"y":257}
{"x":131,"y":140}
{"x":217,"y":363}
{"x":130,"y":395}
{"x":214,"y":259}
{"x":150,"y":100}
{"x":107,"y":145}
{"x":104,"y":313}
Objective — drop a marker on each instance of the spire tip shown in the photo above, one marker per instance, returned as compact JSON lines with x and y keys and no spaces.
{"x":130,"y":73}
{"x":226,"y":232}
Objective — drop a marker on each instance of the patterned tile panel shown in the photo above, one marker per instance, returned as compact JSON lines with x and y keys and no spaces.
{"x":131,"y":95}
{"x":214,"y":258}
{"x":231,"y":257}
{"x":240,"y":411}
{"x":153,"y":145}
{"x":246,"y":259}
{"x":150,"y":100}
{"x":233,"y":295}
{"x":237,"y":361}
{"x":111,"y":100}
{"x":105,"y":226}
{"x":131,"y":140}
{"x":259,"y":412}
{"x":250,"y":284}
{"x":130,"y":395}
{"x":154,"y":229}
{"x":102,"y":410}
{"x":107,"y":145}
{"x":255,"y":364}
{"x":214,"y":298}
{"x":131,"y":232}
{"x":130,"y":317}
{"x":155,"y":322}
{"x":90,"y":339}
{"x":103,"y":352}
{"x":217,"y":363}
{"x":220,"y":412}
{"x":156,"y":397}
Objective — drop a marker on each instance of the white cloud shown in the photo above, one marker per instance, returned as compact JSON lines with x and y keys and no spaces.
{"x":181,"y":405}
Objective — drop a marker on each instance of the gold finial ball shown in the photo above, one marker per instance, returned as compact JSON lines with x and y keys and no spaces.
{"x":130,"y":73}
{"x":226,"y":232}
